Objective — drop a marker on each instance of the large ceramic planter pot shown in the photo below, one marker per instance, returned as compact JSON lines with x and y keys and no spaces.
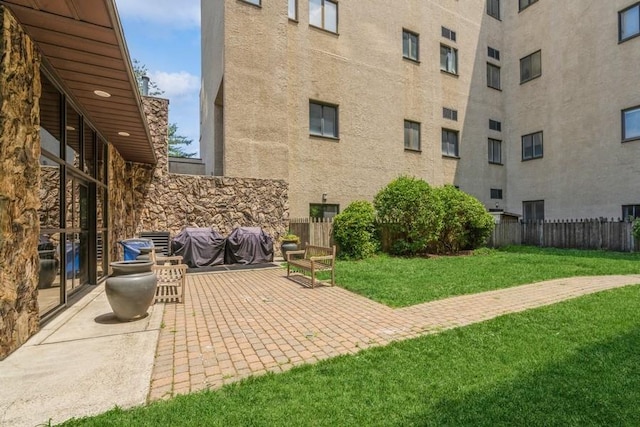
{"x":288,"y":245}
{"x":131,"y":289}
{"x":48,"y":268}
{"x":145,"y":254}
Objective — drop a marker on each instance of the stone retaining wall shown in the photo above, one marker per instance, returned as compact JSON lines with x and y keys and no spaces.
{"x":19,"y":184}
{"x":144,"y":198}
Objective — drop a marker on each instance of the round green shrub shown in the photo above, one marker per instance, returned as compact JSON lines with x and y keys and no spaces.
{"x":412,"y":212}
{"x":466,"y":223}
{"x":354,"y":230}
{"x":636,"y":229}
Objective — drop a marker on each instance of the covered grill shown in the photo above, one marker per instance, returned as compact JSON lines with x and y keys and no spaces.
{"x":248,"y":245}
{"x":199,"y":247}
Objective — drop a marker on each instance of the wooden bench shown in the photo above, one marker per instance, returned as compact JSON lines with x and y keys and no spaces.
{"x":313,"y":259}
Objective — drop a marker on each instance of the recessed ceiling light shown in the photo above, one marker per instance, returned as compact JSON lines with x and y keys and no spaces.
{"x":124,"y":134}
{"x":102,"y":93}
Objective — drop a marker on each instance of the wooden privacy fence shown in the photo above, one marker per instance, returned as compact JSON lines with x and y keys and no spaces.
{"x":606,"y":234}
{"x":315,"y":231}
{"x":612,"y":235}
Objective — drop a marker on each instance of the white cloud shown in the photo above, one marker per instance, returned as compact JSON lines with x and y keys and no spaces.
{"x":176,"y":85}
{"x":184,"y":13}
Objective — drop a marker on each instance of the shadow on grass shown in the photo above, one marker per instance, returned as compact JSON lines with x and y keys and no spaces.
{"x":598,"y":386}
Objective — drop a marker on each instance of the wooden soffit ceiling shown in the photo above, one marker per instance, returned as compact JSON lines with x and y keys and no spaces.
{"x":82,"y":40}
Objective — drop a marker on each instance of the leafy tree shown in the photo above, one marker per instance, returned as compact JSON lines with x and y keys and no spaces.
{"x":466,"y":223}
{"x":354,"y":230}
{"x":176,"y":142}
{"x":409,"y":208}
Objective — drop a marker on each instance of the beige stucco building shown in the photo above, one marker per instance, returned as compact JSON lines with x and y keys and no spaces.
{"x":531,"y":106}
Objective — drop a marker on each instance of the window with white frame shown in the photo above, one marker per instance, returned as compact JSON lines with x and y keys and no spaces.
{"x":324,"y":14}
{"x":448,"y":59}
{"x":449,"y":143}
{"x":532,"y":146}
{"x":410,"y":45}
{"x":493,"y":76}
{"x":631,"y":124}
{"x":411,"y":135}
{"x":629,"y":22}
{"x":531,"y":67}
{"x":323,"y":119}
{"x":533,"y":210}
{"x":293,"y":10}
{"x":495,"y":151}
{"x":493,"y":8}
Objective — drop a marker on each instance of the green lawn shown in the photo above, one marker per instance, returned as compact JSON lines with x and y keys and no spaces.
{"x":400,"y":282}
{"x":571,"y":364}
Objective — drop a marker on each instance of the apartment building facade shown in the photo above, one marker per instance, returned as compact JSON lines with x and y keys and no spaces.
{"x":529,"y":105}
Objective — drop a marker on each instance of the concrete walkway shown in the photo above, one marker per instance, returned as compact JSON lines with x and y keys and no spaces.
{"x":231,"y":325}
{"x":84,"y":362}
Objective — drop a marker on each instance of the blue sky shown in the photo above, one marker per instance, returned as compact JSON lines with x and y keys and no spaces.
{"x":164,"y":35}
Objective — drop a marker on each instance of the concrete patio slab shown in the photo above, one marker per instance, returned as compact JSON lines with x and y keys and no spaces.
{"x":82,"y":363}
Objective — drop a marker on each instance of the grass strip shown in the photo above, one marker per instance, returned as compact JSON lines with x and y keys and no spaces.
{"x":401,"y":282}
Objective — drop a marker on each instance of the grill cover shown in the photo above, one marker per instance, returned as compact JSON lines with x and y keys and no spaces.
{"x":199,"y":247}
{"x":248,"y":245}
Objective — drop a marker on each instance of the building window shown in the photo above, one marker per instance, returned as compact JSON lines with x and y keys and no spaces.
{"x":410,"y":45}
{"x":256,"y":2}
{"x":496,"y":193}
{"x":532,"y":146}
{"x":450,"y":114}
{"x":533,"y":210}
{"x":293,"y":9}
{"x":530,"y":67}
{"x":411,"y":135}
{"x":495,"y":125}
{"x":324,"y":14}
{"x":493,"y":76}
{"x":495,"y":151}
{"x":630,"y":212}
{"x":629,"y":22}
{"x":493,"y":8}
{"x":493,"y":53}
{"x":448,"y":59}
{"x":448,"y":34}
{"x":323,"y":119}
{"x":449,"y":143}
{"x":631,"y":124}
{"x":526,"y":3}
{"x":323,"y":210}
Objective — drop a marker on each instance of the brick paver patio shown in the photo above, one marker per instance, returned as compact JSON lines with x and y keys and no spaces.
{"x":235,"y":324}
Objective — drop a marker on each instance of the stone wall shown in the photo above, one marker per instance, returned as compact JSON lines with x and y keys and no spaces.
{"x":19,"y":184}
{"x":146,"y":198}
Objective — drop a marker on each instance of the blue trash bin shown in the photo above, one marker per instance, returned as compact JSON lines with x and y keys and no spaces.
{"x":132,"y":247}
{"x":73,"y":259}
